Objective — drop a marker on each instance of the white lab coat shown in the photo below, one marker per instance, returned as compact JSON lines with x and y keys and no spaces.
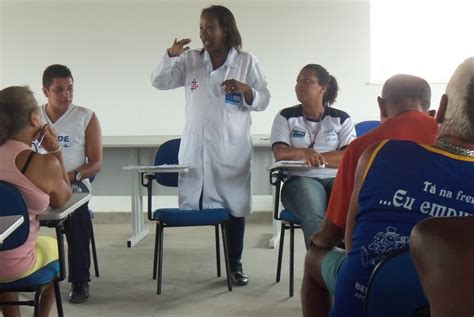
{"x":216,"y":140}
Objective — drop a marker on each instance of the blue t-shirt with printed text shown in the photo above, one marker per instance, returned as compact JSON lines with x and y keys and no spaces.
{"x":405,"y":183}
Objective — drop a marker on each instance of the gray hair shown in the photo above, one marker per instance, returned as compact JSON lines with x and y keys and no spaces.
{"x":459,"y":116}
{"x":16,"y":106}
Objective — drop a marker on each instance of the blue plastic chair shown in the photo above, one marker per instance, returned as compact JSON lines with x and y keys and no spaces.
{"x":365,"y":126}
{"x":288,"y":222}
{"x":394,"y":289}
{"x":174,"y":217}
{"x":12,"y":203}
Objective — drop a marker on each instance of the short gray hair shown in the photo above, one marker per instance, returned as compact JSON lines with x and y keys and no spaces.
{"x":400,"y":87}
{"x":16,"y":105}
{"x":459,"y":116}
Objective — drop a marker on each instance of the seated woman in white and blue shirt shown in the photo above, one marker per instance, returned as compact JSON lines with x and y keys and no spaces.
{"x":316,"y":133}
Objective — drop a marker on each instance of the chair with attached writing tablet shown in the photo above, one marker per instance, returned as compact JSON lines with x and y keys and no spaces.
{"x":12,"y":203}
{"x":174,"y":217}
{"x":394,"y":289}
{"x":288,"y":222}
{"x":91,"y":237}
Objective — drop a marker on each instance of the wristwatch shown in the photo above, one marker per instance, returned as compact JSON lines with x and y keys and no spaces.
{"x":77,"y":176}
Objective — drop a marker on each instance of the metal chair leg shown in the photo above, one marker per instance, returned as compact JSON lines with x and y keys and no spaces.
{"x":280,"y":251}
{"x":218,"y":253}
{"x":292,"y":258}
{"x":155,"y":254}
{"x":37,"y":300}
{"x":57,"y":294}
{"x":60,"y":240}
{"x":226,"y":257}
{"x":160,"y":258}
{"x":94,"y":252}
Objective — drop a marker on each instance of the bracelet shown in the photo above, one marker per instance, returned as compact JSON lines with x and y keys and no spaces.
{"x":55,"y":151}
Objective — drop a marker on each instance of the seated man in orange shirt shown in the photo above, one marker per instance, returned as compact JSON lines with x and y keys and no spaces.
{"x":404,"y":103}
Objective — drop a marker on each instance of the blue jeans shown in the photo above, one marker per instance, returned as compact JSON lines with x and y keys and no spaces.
{"x":307,"y":199}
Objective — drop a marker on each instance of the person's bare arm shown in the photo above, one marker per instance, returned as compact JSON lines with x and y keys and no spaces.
{"x":329,"y":236}
{"x":333,"y":158}
{"x":51,"y":145}
{"x":354,"y":204}
{"x":60,"y":190}
{"x":284,"y":152}
{"x":47,"y":172}
{"x":441,"y":249}
{"x":93,"y":150}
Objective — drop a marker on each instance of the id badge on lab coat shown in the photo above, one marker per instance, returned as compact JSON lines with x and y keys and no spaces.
{"x":233,"y":99}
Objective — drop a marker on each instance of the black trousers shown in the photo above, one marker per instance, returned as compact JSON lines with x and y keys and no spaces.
{"x":78,"y":231}
{"x":235,"y":229}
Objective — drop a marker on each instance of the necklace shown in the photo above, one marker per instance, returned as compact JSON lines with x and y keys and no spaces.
{"x":452,"y":148}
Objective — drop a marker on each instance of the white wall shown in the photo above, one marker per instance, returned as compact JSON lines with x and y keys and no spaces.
{"x":112,"y":46}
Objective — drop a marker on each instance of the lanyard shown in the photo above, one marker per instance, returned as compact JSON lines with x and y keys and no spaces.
{"x":312,"y":137}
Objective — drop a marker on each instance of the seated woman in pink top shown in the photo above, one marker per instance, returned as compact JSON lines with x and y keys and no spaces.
{"x":40,"y":178}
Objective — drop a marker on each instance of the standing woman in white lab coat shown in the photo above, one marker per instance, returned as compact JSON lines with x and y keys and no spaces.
{"x":222,"y":85}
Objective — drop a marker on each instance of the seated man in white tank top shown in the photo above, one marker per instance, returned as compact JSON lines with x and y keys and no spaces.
{"x":80,"y":137}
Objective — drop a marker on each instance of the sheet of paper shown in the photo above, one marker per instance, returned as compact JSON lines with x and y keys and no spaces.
{"x":292,"y":165}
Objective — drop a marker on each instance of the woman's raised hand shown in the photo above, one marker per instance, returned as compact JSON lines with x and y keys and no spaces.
{"x":178,"y":47}
{"x":50,"y":140}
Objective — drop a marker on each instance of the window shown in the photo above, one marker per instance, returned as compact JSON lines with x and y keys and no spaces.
{"x":426,"y":38}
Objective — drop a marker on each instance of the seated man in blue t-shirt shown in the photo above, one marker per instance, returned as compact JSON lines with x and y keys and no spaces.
{"x":399,"y":183}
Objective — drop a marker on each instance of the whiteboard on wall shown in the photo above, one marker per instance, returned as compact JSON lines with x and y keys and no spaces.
{"x":112,"y":47}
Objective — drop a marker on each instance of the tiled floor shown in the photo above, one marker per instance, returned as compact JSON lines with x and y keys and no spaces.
{"x":190,"y":285}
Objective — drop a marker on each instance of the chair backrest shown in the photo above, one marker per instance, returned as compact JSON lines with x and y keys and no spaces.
{"x":167,"y":153}
{"x":394,"y":288}
{"x":12,"y":203}
{"x":365,"y":126}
